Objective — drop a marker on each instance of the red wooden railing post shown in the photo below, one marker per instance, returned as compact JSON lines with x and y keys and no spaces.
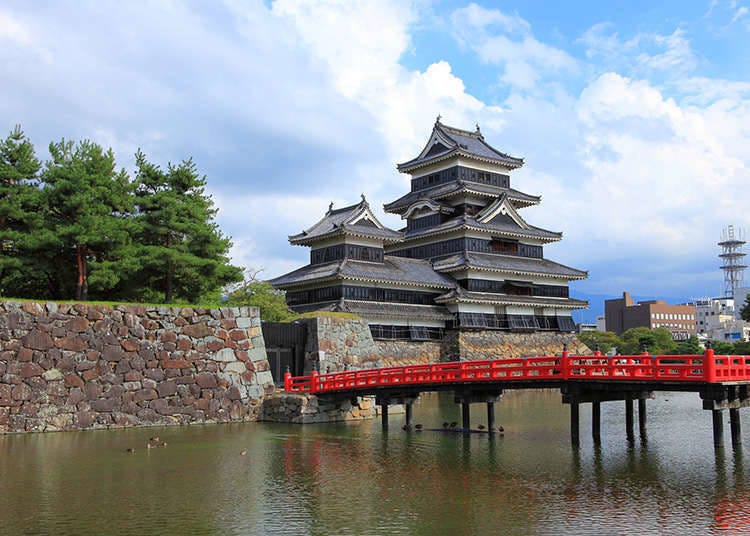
{"x":565,"y":364}
{"x":314,"y":381}
{"x":287,"y":381}
{"x":709,"y":366}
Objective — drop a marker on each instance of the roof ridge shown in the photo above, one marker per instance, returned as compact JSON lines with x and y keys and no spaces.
{"x":455,"y":130}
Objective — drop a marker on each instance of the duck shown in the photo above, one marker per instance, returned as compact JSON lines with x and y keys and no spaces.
{"x":480,"y":427}
{"x":418,"y":427}
{"x":131,"y":450}
{"x":151,"y":446}
{"x":500,"y":428}
{"x":154,"y":439}
{"x":163,"y":444}
{"x":445,"y":425}
{"x":243,"y":453}
{"x":453,"y":424}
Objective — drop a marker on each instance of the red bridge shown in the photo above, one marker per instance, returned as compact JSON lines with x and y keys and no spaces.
{"x":722,"y":382}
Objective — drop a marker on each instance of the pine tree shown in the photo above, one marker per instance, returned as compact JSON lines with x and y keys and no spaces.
{"x":89,"y":203}
{"x":19,"y":211}
{"x":184,"y":255}
{"x":745,"y":311}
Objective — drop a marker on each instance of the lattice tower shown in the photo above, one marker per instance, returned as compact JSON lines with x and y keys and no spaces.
{"x":732,"y":241}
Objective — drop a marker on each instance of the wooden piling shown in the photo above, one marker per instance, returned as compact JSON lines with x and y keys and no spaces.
{"x":642,"y":416}
{"x":735,"y":426}
{"x":718,"y":422}
{"x":384,"y":415}
{"x":629,"y":419}
{"x":596,"y":422}
{"x":491,"y":418}
{"x":466,"y":416}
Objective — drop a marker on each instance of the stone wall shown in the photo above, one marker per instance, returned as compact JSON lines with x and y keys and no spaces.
{"x":346,"y":342}
{"x":473,"y":345}
{"x":301,"y":408}
{"x":80,"y":366}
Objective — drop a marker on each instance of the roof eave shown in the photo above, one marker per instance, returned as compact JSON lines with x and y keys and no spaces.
{"x":510,"y":163}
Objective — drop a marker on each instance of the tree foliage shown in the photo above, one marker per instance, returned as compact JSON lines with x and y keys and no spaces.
{"x":606,"y":340}
{"x":19,"y":208}
{"x":745,"y":311}
{"x":656,"y":341}
{"x":257,"y":293}
{"x":80,"y":228}
{"x":181,"y":249}
{"x":87,"y":203}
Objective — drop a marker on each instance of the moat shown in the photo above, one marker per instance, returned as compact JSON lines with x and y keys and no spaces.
{"x":355,"y":479}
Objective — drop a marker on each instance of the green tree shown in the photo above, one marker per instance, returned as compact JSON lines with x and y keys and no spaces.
{"x":605,"y":339}
{"x":252,"y":291}
{"x":722,"y":347}
{"x":741,"y":348}
{"x":88,"y":203}
{"x":689,"y":347}
{"x":745,"y":311}
{"x":657,"y":341}
{"x":19,"y":212}
{"x":183,"y":254}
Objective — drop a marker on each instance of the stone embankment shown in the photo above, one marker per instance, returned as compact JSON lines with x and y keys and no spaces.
{"x":302,"y":408}
{"x":81,"y":366}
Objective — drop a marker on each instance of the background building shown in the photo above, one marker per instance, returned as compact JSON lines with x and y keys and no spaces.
{"x":621,"y":314}
{"x":717,"y":321}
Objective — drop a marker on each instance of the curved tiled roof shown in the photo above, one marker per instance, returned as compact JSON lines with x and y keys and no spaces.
{"x":465,"y":296}
{"x":346,"y":220}
{"x":451,"y":141}
{"x":393,"y":270}
{"x":453,"y":188}
{"x":496,"y":227}
{"x":507,"y":263}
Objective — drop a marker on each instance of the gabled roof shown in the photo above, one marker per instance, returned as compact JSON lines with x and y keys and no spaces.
{"x":357,"y":220}
{"x":460,"y":187}
{"x":461,"y":295}
{"x":446,"y":142}
{"x":503,"y":226}
{"x":393,"y":270}
{"x":512,"y":264}
{"x":429,"y":204}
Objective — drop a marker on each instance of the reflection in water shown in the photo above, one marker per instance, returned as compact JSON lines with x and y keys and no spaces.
{"x":356,"y":479}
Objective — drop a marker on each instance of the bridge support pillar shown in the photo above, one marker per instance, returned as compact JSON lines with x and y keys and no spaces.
{"x":596,"y":422}
{"x":466,"y":416}
{"x":574,"y":424}
{"x":384,"y":415}
{"x":642,"y":417}
{"x":629,"y":418}
{"x":735,"y":426}
{"x":491,"y":418}
{"x":409,"y":406}
{"x":718,"y":421}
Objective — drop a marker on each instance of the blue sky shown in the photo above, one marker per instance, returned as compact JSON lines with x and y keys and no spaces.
{"x":633,"y":117}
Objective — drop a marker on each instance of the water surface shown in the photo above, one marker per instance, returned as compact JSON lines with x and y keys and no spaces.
{"x":355,"y":479}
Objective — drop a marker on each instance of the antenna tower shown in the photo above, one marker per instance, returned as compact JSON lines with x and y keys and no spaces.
{"x":732,"y":255}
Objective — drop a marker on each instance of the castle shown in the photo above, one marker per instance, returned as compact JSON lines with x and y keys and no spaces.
{"x":466,"y":259}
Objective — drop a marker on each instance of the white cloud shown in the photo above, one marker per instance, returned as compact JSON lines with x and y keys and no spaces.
{"x":506,"y":40}
{"x":14,"y":30}
{"x":643,"y":54}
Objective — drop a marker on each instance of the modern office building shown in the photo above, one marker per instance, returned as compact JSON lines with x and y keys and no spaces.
{"x":624,"y":313}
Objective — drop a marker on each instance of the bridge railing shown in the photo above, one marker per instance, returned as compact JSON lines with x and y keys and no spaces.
{"x":597,"y":367}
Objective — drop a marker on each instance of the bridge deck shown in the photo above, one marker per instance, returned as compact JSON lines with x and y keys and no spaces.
{"x":634,"y":372}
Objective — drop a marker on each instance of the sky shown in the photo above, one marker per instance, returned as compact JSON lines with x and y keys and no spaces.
{"x":633,"y":116}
